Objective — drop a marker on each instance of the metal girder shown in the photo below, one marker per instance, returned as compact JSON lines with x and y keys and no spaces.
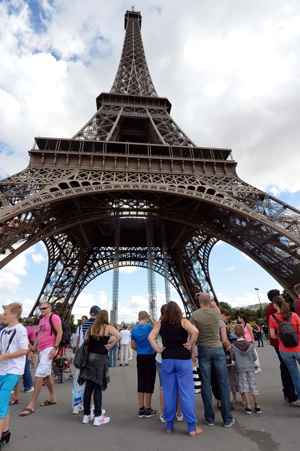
{"x":75,"y":189}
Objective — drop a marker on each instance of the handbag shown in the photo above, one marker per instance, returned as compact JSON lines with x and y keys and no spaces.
{"x":81,"y":356}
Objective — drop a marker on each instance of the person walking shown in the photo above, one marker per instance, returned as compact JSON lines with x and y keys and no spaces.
{"x":125,"y":344}
{"x":244,"y":356}
{"x":285,"y":326}
{"x":288,"y":388}
{"x":14,"y":346}
{"x":211,"y":354}
{"x":258,"y":331}
{"x":178,"y":337}
{"x":48,"y":339}
{"x":100,"y":338}
{"x":146,"y":366}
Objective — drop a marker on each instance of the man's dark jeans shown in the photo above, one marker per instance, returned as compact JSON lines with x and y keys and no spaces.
{"x":287,"y":383}
{"x":214,"y":358}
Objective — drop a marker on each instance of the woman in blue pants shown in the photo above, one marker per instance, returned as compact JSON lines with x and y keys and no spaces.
{"x":178,"y":337}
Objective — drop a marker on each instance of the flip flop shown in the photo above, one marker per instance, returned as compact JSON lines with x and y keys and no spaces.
{"x":26,"y":412}
{"x":14,"y":402}
{"x":47,"y":403}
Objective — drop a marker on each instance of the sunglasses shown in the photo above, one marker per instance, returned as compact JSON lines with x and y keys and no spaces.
{"x":44,"y":308}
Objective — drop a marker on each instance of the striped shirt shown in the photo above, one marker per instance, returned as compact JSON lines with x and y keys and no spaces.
{"x":86,"y":325}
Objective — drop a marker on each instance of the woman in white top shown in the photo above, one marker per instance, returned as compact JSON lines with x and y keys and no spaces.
{"x":14,"y":347}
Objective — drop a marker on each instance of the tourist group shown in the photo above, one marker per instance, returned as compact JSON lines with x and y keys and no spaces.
{"x":206,"y":353}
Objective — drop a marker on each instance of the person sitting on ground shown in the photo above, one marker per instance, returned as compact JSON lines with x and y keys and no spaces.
{"x":49,"y":336}
{"x":285,"y":326}
{"x":146,"y":366}
{"x":178,"y":338}
{"x":14,"y":346}
{"x":244,"y":356}
{"x":286,"y":380}
{"x":100,"y":338}
{"x":211,"y":354}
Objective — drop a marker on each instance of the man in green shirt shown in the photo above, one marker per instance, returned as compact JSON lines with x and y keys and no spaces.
{"x":211,"y":355}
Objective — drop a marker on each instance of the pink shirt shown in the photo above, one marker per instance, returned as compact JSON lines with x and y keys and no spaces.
{"x":32,"y":333}
{"x":247,"y":334}
{"x":47,"y":337}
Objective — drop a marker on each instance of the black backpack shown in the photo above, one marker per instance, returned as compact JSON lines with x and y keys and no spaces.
{"x":287,"y":333}
{"x":66,"y":328}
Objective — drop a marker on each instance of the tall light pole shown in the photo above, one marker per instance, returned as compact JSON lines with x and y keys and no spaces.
{"x":259,"y":300}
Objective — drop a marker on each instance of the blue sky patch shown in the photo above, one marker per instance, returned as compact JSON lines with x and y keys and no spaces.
{"x":38,"y":15}
{"x":5,"y":149}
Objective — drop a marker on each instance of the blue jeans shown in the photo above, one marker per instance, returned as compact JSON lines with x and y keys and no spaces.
{"x":214,"y":358}
{"x":290,"y":359}
{"x":112,"y":357}
{"x":177,"y":381}
{"x":27,"y":378}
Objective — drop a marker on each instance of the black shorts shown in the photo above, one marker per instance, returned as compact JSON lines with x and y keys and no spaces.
{"x":146,"y":373}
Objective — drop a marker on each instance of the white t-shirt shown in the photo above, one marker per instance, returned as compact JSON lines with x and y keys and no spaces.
{"x":125,"y":337}
{"x":19,"y":341}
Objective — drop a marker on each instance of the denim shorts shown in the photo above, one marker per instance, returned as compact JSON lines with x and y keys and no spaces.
{"x":8,"y":383}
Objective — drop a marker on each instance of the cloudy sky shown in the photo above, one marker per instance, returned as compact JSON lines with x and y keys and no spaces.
{"x":230,"y":68}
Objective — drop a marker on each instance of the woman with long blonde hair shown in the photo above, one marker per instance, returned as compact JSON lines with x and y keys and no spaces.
{"x":100,"y":339}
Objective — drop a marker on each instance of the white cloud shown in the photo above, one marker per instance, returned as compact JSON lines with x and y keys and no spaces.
{"x":37,"y":258}
{"x":245,"y":299}
{"x":12,"y":274}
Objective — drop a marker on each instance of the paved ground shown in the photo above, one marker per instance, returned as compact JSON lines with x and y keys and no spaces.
{"x":55,"y":429}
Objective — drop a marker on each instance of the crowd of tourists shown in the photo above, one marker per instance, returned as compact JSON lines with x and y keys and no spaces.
{"x":207,"y":349}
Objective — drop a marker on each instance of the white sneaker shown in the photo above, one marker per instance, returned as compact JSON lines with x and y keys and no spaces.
{"x":92,"y":415}
{"x":86,"y":419}
{"x":76,"y":411}
{"x":295,"y":403}
{"x":99,"y":421}
{"x":162,"y":419}
{"x":30,"y":390}
{"x":179,"y":417}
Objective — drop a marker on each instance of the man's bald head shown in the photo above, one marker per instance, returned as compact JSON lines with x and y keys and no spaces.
{"x":204,"y":299}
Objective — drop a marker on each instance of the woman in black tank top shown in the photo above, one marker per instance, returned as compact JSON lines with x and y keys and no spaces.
{"x":101,"y":337}
{"x":178,"y":337}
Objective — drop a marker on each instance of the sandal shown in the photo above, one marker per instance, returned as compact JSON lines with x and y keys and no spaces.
{"x":14,"y":402}
{"x":47,"y":403}
{"x":26,"y":412}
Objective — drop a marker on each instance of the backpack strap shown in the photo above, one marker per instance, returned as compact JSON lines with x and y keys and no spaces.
{"x":11,"y":339}
{"x":53,"y":331}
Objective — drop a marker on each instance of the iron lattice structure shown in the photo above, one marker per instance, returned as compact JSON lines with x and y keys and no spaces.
{"x":132,"y":169}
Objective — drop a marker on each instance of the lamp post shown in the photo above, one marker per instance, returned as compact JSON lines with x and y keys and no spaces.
{"x":259,"y":300}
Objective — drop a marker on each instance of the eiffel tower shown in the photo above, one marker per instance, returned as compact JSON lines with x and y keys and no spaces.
{"x":131,"y":188}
